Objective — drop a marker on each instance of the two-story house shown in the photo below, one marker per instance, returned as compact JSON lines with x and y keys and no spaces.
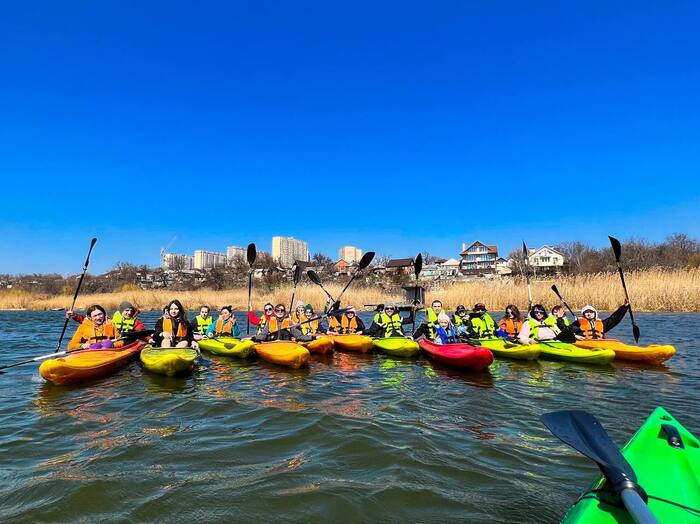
{"x":546,"y":260}
{"x":478,"y":259}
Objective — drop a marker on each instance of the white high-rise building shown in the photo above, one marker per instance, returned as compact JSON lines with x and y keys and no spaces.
{"x":177,"y":261}
{"x":287,"y":250}
{"x":208,"y":259}
{"x":232,"y":252}
{"x":350,"y":254}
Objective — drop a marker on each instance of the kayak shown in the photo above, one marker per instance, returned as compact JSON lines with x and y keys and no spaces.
{"x":283,"y":353}
{"x":654,"y":354}
{"x":502,"y":348}
{"x":168,"y":361}
{"x":360,"y":343}
{"x":460,"y":355}
{"x":227,"y":346}
{"x":669,"y":474}
{"x":556,"y":350}
{"x":321,"y":345}
{"x":89,"y":364}
{"x":397,"y":346}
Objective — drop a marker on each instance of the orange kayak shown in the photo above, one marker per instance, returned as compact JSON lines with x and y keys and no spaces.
{"x":360,"y":343}
{"x":654,"y":354}
{"x":321,"y":345}
{"x":89,"y":364}
{"x":283,"y":353}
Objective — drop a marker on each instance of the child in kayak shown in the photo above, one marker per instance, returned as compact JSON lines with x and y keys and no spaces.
{"x":96,"y":331}
{"x":512,"y":321}
{"x":201,"y":323}
{"x":225,"y":325}
{"x":560,"y":317}
{"x":175,"y":330}
{"x":538,"y":326}
{"x":298,"y":315}
{"x":445,"y":331}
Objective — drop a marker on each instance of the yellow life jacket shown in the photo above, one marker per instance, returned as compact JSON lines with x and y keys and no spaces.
{"x":202,"y":324}
{"x":591,"y":330}
{"x":393,"y":326}
{"x":484,"y":327}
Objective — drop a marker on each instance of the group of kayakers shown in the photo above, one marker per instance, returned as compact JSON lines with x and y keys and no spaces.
{"x":174,"y":329}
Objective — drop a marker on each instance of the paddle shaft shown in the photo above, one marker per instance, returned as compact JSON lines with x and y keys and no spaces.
{"x":556,"y":292}
{"x":526,"y":258}
{"x":75,"y":295}
{"x":250,"y":304}
{"x":636,"y":507}
{"x":617,"y":251}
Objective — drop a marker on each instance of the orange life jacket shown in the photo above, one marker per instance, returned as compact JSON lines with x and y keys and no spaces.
{"x":590,"y":329}
{"x":223,"y":329}
{"x":107,"y":330}
{"x":346,"y":325}
{"x":168,"y":328}
{"x":510,"y":326}
{"x":274,"y":324}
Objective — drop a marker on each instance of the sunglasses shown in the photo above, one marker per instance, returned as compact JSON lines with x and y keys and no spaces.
{"x":268,"y":309}
{"x":388,"y":309}
{"x":280,"y":310}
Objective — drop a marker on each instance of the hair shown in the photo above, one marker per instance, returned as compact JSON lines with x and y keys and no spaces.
{"x":268,"y":304}
{"x":557,"y":308}
{"x":444,"y":316}
{"x":539,"y":306}
{"x":436,"y":301}
{"x":280,"y":305}
{"x":227,"y":308}
{"x":515,"y":310}
{"x":202,"y":307}
{"x":95,"y":307}
{"x":182,"y":315}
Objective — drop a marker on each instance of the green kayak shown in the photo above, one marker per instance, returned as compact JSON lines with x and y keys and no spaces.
{"x":168,"y":361}
{"x":228,"y":346}
{"x":502,"y":348}
{"x":669,"y":474}
{"x":562,"y":351}
{"x":397,"y":346}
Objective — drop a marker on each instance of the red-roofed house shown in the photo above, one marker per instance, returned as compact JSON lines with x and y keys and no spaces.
{"x":478,"y":259}
{"x":398,"y":265}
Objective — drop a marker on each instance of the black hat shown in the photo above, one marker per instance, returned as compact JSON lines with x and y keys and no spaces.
{"x":479,"y":307}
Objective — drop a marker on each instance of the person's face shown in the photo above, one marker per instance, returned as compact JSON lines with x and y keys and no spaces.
{"x":437,"y":306}
{"x":128,"y":313}
{"x":559,"y":313}
{"x":97,"y":317}
{"x":279,"y":312}
{"x":308,"y":314}
{"x":204,"y":312}
{"x":444,"y":323}
{"x":538,"y":313}
{"x":350,"y":314}
{"x":389,"y":310}
{"x":225,"y":314}
{"x":509,"y":313}
{"x":589,"y":314}
{"x":300,"y":310}
{"x":268,"y":310}
{"x":173,"y":310}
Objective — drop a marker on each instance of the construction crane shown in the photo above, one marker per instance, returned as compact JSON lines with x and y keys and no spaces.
{"x":164,"y":249}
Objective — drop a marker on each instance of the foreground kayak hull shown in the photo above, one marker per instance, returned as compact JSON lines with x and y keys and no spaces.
{"x":168,"y":361}
{"x":664,"y":471}
{"x":464,"y":356}
{"x":501,"y":348}
{"x":228,"y":347}
{"x":570,"y":353}
{"x":321,"y":345}
{"x":283,"y":353}
{"x":654,"y":354}
{"x":87,"y":365}
{"x":397,"y":346}
{"x":358,"y":343}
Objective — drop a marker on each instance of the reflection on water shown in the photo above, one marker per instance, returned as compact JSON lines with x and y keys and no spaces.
{"x":355,"y":437}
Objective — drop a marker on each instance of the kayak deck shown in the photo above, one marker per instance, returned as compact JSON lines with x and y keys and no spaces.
{"x":228,"y":346}
{"x":359,"y":343}
{"x":168,"y":361}
{"x":283,"y":353}
{"x":397,"y":346}
{"x":654,"y":354}
{"x":320,"y":346}
{"x":501,"y":348}
{"x":463,"y":356}
{"x":568,"y":352}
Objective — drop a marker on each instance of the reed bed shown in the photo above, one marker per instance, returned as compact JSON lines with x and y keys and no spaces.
{"x":651,"y":290}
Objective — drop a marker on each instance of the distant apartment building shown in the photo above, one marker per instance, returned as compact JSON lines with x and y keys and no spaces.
{"x":234,"y":252}
{"x":478,"y":259}
{"x":350,"y":254}
{"x":208,"y":259}
{"x":177,"y":261}
{"x":287,"y":250}
{"x":546,"y":259}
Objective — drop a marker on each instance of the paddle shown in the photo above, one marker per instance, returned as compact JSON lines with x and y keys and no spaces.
{"x":556,"y":292}
{"x":296,"y":278}
{"x":131,"y":337}
{"x":417,"y":268}
{"x":527,"y":276}
{"x":332,"y":312}
{"x":365,"y":261}
{"x":316,"y":280}
{"x":617,"y":249}
{"x":583,"y":432}
{"x":75,"y":296}
{"x":251,"y":255}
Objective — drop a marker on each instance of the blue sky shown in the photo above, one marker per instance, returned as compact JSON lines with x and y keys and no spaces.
{"x":394,"y":126}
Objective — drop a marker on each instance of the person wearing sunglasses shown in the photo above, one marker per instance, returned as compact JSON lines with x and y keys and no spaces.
{"x":311,"y":327}
{"x":276,"y":327}
{"x":348,"y":323}
{"x":538,"y":326}
{"x":512,"y":321}
{"x":261,"y":320}
{"x":391,"y":322}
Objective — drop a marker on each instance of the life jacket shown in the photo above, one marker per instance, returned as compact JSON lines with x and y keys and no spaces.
{"x":296,"y":318}
{"x":95,"y":334}
{"x":590,"y":329}
{"x":393,"y":326}
{"x":123,"y":325}
{"x":549,"y":322}
{"x":345,"y":325}
{"x":221,"y":328}
{"x":484,"y":327}
{"x":263,"y":321}
{"x":457,"y":320}
{"x":310,"y":327}
{"x":275,"y":325}
{"x":168,"y":328}
{"x":447,"y":337}
{"x":510,"y":326}
{"x":431,"y":322}
{"x":203,"y":324}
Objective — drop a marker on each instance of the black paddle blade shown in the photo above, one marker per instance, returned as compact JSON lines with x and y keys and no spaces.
{"x":297,"y":274}
{"x":366,"y":260}
{"x":635,"y":332}
{"x":616,"y":247}
{"x":252,"y":254}
{"x":314,"y":277}
{"x":418,"y":264}
{"x":583,"y":432}
{"x":525,"y":251}
{"x":556,"y":291}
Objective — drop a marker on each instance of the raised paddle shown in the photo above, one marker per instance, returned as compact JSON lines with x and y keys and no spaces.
{"x":131,"y":337}
{"x":251,"y":255}
{"x":617,"y":249}
{"x":583,"y":432}
{"x":317,"y":280}
{"x":75,"y":296}
{"x":296,"y":278}
{"x":417,"y":268}
{"x":527,"y":276}
{"x":365,"y":261}
{"x":556,"y":292}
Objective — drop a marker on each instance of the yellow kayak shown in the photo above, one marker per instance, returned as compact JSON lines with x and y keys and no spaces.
{"x":283,"y":353}
{"x":654,"y":354}
{"x":321,"y":345}
{"x":501,"y":348}
{"x":168,"y":361}
{"x":359,"y":343}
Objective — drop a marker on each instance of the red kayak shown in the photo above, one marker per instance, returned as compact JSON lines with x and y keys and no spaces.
{"x":463,"y":356}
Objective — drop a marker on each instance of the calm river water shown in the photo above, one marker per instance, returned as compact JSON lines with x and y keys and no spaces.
{"x":352,"y":439}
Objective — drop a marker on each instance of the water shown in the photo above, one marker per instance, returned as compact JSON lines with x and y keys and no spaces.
{"x":355,"y":438}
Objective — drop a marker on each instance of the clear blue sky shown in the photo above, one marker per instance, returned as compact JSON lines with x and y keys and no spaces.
{"x":394,"y":126}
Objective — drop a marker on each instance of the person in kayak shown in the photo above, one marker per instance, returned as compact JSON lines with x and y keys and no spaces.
{"x":374,"y":328}
{"x":349,"y":323}
{"x":559,"y":315}
{"x":538,"y":326}
{"x":124,"y":319}
{"x":445,"y":331}
{"x":260,"y":321}
{"x":201,"y":323}
{"x":590,"y":327}
{"x":276,"y":327}
{"x":96,"y":331}
{"x":482,"y":324}
{"x":391,"y":322}
{"x":175,"y":330}
{"x":310,"y":329}
{"x":461,"y":322}
{"x":298,"y":315}
{"x":429,"y":324}
{"x":225,"y":325}
{"x":512,"y":321}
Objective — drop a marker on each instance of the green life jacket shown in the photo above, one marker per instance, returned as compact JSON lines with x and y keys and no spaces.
{"x":393,"y":326}
{"x":123,"y":325}
{"x":484,"y":327}
{"x":549,"y":322}
{"x":431,"y":322}
{"x":202,"y":324}
{"x":263,"y":321}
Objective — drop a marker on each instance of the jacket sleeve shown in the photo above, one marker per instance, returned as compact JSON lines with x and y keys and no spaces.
{"x":210,"y":329}
{"x":360,"y":324}
{"x":138,"y":325}
{"x":524,"y":334}
{"x":77,"y":338}
{"x":253,"y":318}
{"x":614,"y":319}
{"x":299,"y":335}
{"x":263,"y":334}
{"x":236,"y":330}
{"x":78,"y":317}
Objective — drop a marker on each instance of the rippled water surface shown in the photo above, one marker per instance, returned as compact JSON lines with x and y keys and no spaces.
{"x":355,"y":438}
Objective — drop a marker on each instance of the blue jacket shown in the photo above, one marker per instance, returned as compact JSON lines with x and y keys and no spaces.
{"x":446,"y":337}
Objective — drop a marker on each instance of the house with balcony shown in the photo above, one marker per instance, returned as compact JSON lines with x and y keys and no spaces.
{"x":478,"y":259}
{"x":546,"y":260}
